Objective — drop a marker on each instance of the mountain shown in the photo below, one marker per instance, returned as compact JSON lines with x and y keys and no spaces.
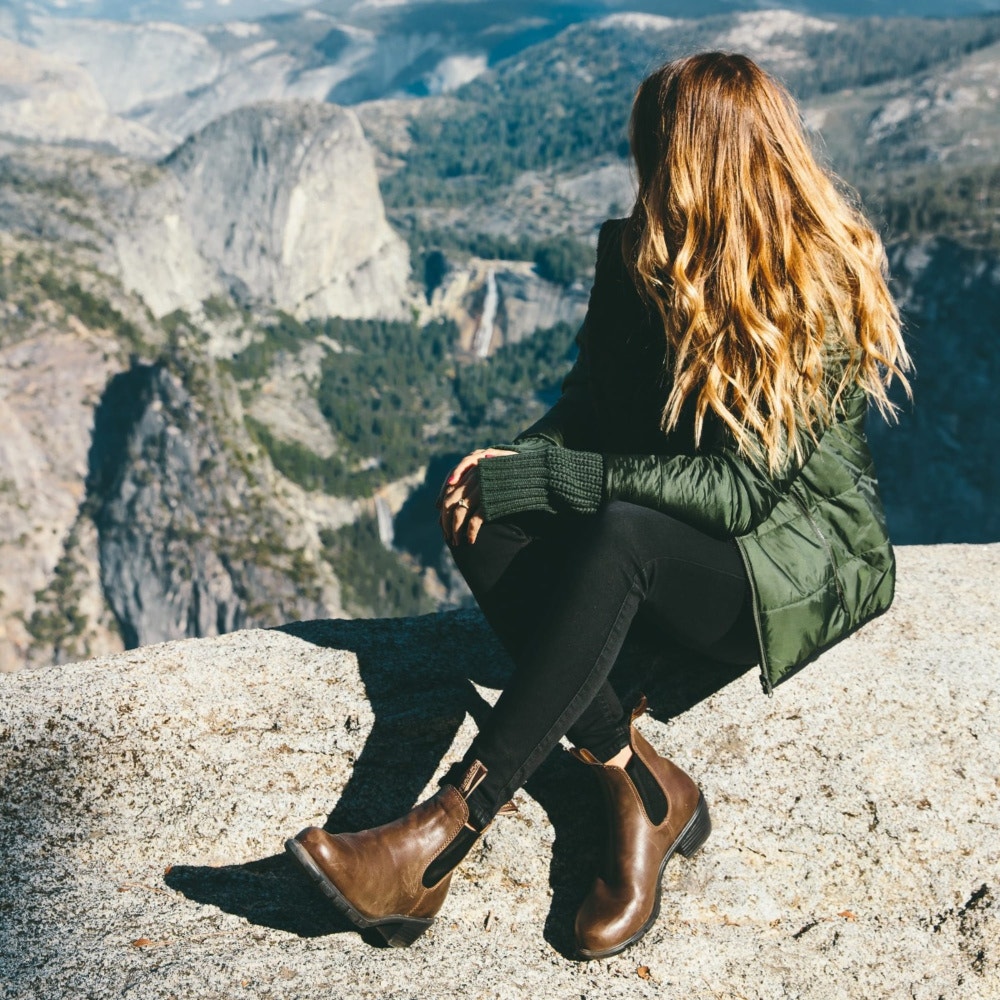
{"x":554,"y":111}
{"x":135,"y":504}
{"x":243,"y":329}
{"x":281,"y":204}
{"x":51,"y":99}
{"x":172,"y":79}
{"x":156,"y":514}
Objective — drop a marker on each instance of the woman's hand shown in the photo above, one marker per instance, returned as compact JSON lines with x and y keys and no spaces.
{"x":458,"y":500}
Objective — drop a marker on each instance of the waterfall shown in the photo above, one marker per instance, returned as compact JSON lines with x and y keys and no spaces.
{"x":383,"y":517}
{"x":484,"y":332}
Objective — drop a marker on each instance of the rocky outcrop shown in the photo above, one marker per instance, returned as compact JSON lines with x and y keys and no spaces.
{"x":134,"y":505}
{"x":275,"y":204}
{"x":287,"y":403}
{"x":189,"y":542}
{"x":520,"y":304}
{"x":528,"y":303}
{"x":154,"y":251}
{"x":944,"y":114}
{"x":144,"y":799}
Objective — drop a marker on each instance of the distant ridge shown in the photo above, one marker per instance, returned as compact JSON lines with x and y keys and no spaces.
{"x":215,"y":12}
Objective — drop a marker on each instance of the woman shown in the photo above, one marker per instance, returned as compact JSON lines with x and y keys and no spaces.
{"x":705,"y":470}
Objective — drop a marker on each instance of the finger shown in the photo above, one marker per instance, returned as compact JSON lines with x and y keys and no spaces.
{"x":467,"y":463}
{"x":470,"y":461}
{"x":442,"y":495}
{"x":447,"y":521}
{"x":448,"y":491}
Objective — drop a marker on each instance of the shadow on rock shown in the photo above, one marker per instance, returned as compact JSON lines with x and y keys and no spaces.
{"x":420,"y":677}
{"x":270,"y":892}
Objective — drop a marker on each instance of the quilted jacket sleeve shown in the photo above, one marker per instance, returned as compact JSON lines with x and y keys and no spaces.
{"x":721,"y":493}
{"x":719,"y":490}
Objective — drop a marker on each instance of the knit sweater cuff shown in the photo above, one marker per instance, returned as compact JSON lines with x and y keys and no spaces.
{"x":542,"y":477}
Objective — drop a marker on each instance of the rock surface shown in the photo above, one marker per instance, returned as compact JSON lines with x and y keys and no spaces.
{"x":524,"y":304}
{"x":144,"y":799}
{"x":276,"y":203}
{"x":190,"y":542}
{"x":134,"y":505}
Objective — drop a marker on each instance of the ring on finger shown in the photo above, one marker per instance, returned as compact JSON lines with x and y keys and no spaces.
{"x":462,"y":503}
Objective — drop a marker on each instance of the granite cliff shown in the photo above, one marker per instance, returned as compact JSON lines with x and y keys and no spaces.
{"x":308,"y":176}
{"x":276,"y":204}
{"x":136,"y":507}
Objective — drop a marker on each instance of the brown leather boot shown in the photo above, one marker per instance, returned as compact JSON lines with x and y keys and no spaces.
{"x":394,"y":877}
{"x":624,"y":901}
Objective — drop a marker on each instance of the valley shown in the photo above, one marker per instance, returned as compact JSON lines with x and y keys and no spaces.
{"x":260,"y":281}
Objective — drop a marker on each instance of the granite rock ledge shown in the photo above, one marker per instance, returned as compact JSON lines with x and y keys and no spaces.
{"x":145,"y":797}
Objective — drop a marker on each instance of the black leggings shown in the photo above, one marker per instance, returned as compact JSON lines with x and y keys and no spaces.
{"x":561,"y":592}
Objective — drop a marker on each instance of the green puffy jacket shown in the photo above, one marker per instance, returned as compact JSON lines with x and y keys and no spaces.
{"x":813,"y":537}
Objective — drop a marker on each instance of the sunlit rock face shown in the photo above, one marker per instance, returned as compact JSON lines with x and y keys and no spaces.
{"x":277,"y":204}
{"x":49,"y":383}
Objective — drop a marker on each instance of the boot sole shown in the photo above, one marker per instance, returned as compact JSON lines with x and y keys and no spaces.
{"x":689,"y":842}
{"x":399,"y":931}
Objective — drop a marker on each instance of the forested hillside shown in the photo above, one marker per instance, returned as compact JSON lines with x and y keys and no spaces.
{"x":566,"y":102}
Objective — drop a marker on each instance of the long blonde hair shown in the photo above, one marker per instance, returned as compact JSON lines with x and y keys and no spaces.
{"x":758,"y":266}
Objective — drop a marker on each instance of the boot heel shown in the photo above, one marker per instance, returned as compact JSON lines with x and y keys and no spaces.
{"x":697,"y":830}
{"x":403,"y":933}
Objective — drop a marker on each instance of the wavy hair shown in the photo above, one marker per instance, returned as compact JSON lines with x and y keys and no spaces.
{"x":770,"y":284}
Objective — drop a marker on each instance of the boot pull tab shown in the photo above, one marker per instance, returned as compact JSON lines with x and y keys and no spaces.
{"x":639,"y":709}
{"x":473,"y":778}
{"x":584,"y":755}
